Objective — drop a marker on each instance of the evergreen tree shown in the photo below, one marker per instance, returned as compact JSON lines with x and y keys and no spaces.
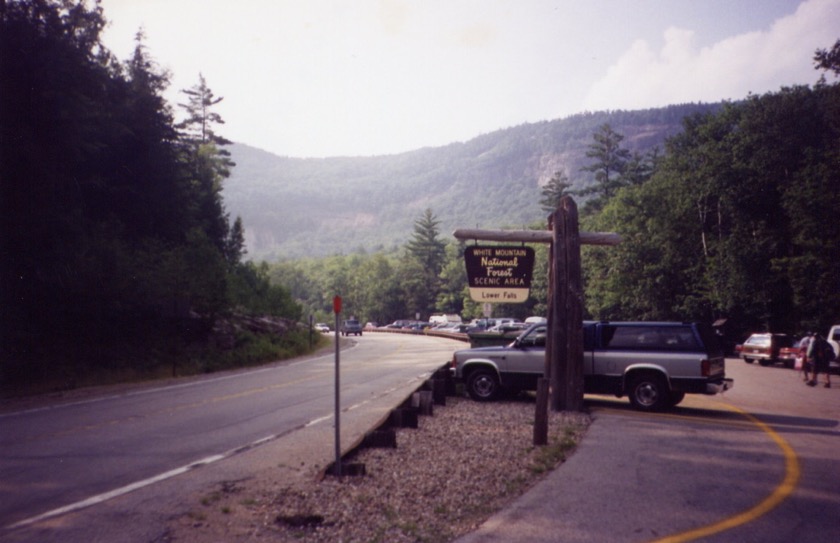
{"x":235,"y":247}
{"x":210,"y":165}
{"x":639,"y":168}
{"x":828,"y":60}
{"x":145,"y":156}
{"x":553,"y":191}
{"x":427,"y":255}
{"x":198,"y":126}
{"x":453,"y":278}
{"x":610,"y":161}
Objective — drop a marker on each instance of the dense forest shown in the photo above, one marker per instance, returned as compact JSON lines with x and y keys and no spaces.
{"x":120,"y":255}
{"x":117,"y":252}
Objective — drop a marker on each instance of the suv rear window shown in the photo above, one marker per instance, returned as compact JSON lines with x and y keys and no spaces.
{"x":651,"y":337}
{"x":761,"y":341}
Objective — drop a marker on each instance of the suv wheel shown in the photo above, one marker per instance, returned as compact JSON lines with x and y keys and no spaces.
{"x":649,"y":392}
{"x":483,"y":385}
{"x":675,"y":398}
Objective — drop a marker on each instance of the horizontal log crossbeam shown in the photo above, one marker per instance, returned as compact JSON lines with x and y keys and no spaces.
{"x":534,"y":236}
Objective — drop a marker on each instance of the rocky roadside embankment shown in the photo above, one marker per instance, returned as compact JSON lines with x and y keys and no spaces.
{"x":442,"y":480}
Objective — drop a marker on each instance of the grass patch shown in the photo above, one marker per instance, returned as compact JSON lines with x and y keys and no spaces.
{"x":556,"y":451}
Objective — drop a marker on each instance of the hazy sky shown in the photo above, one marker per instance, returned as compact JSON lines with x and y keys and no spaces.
{"x":314,"y":78}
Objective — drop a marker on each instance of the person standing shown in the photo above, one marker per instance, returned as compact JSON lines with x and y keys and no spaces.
{"x":803,"y":353}
{"x":818,"y":354}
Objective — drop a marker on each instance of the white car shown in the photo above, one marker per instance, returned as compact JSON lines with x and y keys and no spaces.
{"x":322,"y":327}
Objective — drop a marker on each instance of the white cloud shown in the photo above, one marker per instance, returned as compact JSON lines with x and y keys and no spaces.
{"x":332,"y":77}
{"x":754,"y":62}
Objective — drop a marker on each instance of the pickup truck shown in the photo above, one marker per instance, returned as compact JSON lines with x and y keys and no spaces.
{"x":655,"y":364}
{"x":351,"y":326}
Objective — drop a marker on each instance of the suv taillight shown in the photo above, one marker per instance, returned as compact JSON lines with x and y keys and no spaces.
{"x":705,"y":367}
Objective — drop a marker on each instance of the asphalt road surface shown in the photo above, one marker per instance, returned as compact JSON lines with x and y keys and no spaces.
{"x":758,"y":464}
{"x":63,"y":453}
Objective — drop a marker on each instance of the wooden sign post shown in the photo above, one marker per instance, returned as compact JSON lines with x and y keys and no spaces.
{"x":564,"y":341}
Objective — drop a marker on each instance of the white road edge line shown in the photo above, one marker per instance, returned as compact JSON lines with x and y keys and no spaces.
{"x":99,"y":498}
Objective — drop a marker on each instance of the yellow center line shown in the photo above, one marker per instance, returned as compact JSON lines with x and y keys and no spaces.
{"x":779,"y":494}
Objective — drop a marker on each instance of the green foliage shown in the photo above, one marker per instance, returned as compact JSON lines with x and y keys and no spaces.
{"x":254,"y":349}
{"x":423,"y":265}
{"x":609,"y":160}
{"x":738,"y":220}
{"x":828,"y":60}
{"x":252,"y":292}
{"x":116,"y":244}
{"x":553,"y":191}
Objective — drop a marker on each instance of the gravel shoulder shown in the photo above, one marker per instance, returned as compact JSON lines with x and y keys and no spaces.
{"x":442,"y":481}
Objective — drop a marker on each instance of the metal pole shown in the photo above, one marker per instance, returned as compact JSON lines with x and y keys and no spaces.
{"x":337,"y":400}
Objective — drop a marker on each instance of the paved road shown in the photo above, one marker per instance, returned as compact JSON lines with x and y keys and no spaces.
{"x":60,"y":454}
{"x":761,"y":463}
{"x":758,"y":464}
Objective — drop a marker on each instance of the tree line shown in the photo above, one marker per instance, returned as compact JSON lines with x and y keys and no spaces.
{"x":736,"y":220}
{"x":117,"y":250}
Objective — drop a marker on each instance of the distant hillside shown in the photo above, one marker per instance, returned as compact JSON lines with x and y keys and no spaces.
{"x":295,"y":207}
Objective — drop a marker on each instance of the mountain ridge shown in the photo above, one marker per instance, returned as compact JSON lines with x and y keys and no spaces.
{"x":313,"y":207}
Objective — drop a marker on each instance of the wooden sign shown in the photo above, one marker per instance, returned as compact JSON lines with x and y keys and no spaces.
{"x":499,"y":274}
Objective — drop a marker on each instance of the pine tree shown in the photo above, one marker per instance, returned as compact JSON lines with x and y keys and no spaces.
{"x":427,"y":256}
{"x":236,"y":243}
{"x":553,"y":191}
{"x":210,"y":164}
{"x":610,"y":161}
{"x":198,"y":126}
{"x":425,"y":246}
{"x":828,"y":60}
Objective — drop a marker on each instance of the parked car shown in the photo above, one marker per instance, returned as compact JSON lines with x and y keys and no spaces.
{"x":322,"y":327}
{"x":449,"y":318}
{"x":536,"y":320}
{"x":834,"y":340}
{"x":655,"y":364}
{"x":764,"y":348}
{"x":351,"y":326}
{"x":788,"y":355}
{"x":508,"y":327}
{"x":398,"y":324}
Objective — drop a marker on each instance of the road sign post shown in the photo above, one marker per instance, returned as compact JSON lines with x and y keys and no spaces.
{"x":337,"y":311}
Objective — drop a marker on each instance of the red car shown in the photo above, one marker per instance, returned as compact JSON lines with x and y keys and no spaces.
{"x":765,"y":348}
{"x":789,"y":355}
